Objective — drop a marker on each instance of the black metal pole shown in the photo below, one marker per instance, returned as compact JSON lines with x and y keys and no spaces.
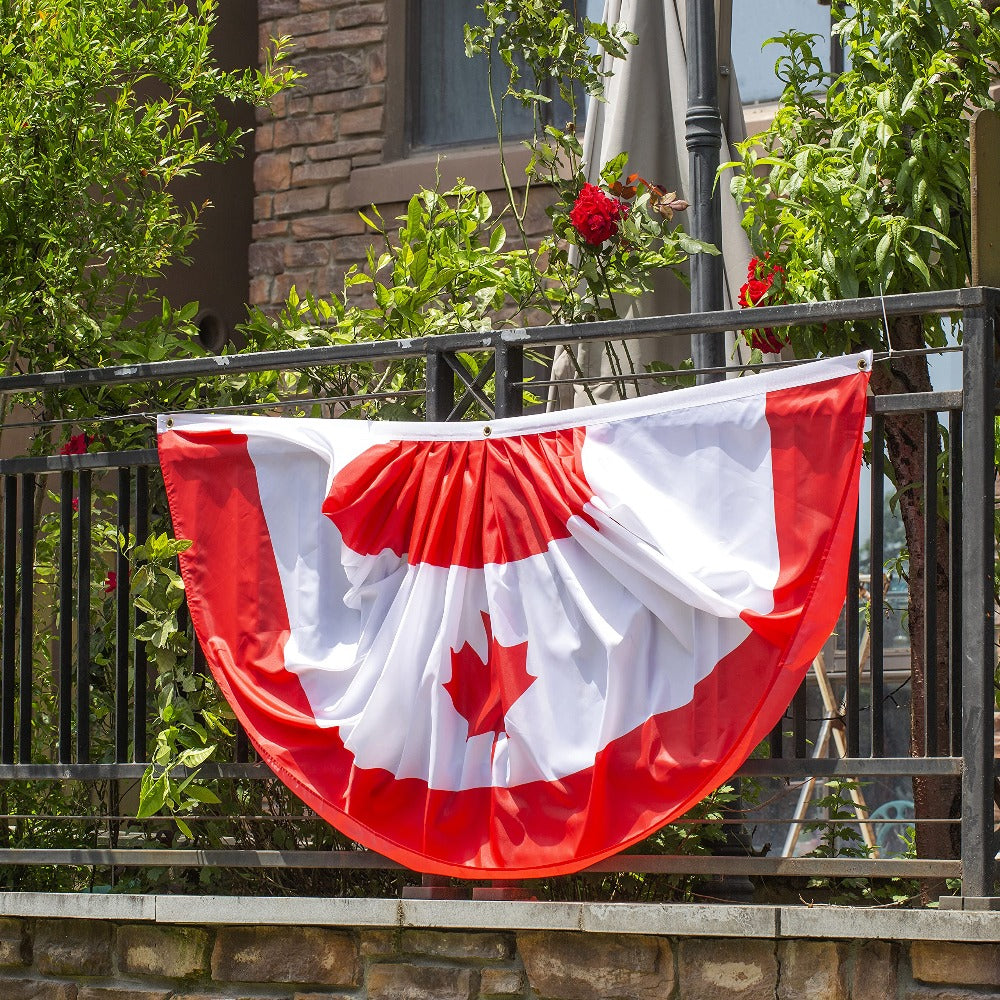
{"x":978,"y":548}
{"x":836,"y":45}
{"x":704,"y":143}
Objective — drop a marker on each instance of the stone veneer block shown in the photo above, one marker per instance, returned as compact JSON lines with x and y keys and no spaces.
{"x":813,"y":969}
{"x":228,"y":994}
{"x":36,"y":989}
{"x":109,"y":993}
{"x":73,"y":947}
{"x":930,"y":993}
{"x":12,"y":944}
{"x":727,"y":969}
{"x":323,"y":996}
{"x":875,"y":971}
{"x":456,"y":944}
{"x":950,"y":962}
{"x":420,"y":982}
{"x":495,"y":982}
{"x":285,"y":955}
{"x":171,"y":952}
{"x":575,"y":966}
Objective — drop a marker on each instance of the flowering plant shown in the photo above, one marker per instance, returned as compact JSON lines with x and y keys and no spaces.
{"x":609,"y":236}
{"x":452,"y":262}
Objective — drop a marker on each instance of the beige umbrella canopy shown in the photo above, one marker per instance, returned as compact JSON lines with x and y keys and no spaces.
{"x":644,"y":114}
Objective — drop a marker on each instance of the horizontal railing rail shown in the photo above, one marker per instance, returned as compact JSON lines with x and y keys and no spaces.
{"x":100,"y":710}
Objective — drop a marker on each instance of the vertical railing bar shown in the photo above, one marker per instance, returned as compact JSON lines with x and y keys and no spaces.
{"x":199,"y":662}
{"x":141,"y":682}
{"x":776,"y":739}
{"x":930,"y":585}
{"x":83,"y":584}
{"x":123,"y":636}
{"x":799,"y":720}
{"x":65,"y":702}
{"x":955,"y":575}
{"x":876,"y":628}
{"x":26,"y":631}
{"x":9,"y":654}
{"x":853,"y":653}
{"x":978,"y":562}
{"x":242,"y":744}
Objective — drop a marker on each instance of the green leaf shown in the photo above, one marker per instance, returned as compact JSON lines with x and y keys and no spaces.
{"x":201,"y":793}
{"x":882,"y":251}
{"x":195,"y":757}
{"x":152,"y":795}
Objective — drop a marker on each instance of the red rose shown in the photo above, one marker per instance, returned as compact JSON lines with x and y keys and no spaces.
{"x":757,"y":291}
{"x":766,"y":341}
{"x":595,"y":216}
{"x":76,"y":445}
{"x":111,"y":582}
{"x":754,"y":292}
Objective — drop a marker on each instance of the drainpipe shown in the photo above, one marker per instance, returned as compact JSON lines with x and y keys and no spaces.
{"x":704,"y":143}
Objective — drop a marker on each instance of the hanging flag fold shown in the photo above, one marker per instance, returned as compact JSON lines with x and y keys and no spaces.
{"x":511,"y":649}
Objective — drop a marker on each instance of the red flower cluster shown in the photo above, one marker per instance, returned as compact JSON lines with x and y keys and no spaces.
{"x":111,"y":582}
{"x":76,"y":445}
{"x":595,"y":215}
{"x":757,"y":291}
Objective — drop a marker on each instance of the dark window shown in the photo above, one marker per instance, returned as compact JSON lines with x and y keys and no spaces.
{"x":448,"y":93}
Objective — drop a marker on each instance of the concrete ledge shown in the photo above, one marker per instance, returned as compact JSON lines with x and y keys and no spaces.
{"x":79,"y":905}
{"x":891,"y":925}
{"x":666,"y":919}
{"x":485,"y":914}
{"x":300,"y":911}
{"x":681,"y":919}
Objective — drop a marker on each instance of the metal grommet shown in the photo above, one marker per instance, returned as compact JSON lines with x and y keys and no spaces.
{"x":170,"y":421}
{"x":487,"y":431}
{"x":862,"y":364}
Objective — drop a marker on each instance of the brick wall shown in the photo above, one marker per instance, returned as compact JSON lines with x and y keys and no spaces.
{"x":332,"y":146}
{"x":72,"y":959}
{"x":306,"y":147}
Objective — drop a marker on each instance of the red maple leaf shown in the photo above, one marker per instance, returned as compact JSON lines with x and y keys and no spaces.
{"x":483,"y":693}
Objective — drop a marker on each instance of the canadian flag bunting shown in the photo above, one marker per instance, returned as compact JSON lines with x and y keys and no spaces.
{"x":511,"y":649}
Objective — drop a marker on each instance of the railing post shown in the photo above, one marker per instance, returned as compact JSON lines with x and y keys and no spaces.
{"x":978,"y":560}
{"x":509,"y":363}
{"x":440,"y":388}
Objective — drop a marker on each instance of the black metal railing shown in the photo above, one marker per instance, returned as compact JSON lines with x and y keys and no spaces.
{"x":96,"y":718}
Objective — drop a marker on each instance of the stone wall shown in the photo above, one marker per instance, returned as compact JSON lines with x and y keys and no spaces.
{"x":96,"y":959}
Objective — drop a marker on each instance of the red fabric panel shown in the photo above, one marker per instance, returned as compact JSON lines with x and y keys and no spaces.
{"x":462,"y":503}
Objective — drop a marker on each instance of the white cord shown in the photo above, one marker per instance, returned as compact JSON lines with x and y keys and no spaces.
{"x":885,"y":318}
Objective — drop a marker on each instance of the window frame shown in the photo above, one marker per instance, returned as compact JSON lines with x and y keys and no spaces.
{"x":403,"y":169}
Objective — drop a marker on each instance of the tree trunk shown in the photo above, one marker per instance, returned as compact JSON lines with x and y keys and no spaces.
{"x":933,"y":796}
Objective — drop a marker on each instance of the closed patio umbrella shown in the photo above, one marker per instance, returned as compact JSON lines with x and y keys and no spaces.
{"x":645,"y":115}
